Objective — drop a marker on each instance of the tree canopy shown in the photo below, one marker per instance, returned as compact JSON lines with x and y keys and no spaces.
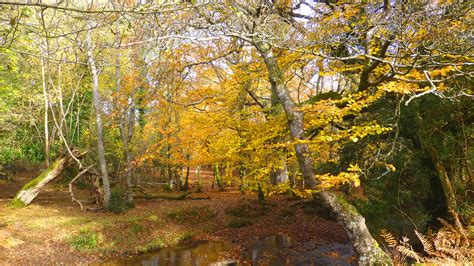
{"x":365,"y":100}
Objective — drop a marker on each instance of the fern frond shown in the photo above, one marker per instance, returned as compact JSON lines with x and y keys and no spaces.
{"x":388,"y":238}
{"x":427,"y":246}
{"x":439,"y":240}
{"x":409,"y":252}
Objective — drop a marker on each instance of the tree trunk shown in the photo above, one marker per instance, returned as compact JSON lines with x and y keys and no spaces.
{"x":46,"y":110}
{"x":447,"y":187}
{"x":294,"y":117}
{"x":186,"y":179}
{"x":217,"y":177}
{"x":125,"y":132}
{"x":280,"y":176}
{"x":29,"y":191}
{"x":98,"y":110}
{"x":346,"y":214}
{"x":198,"y":176}
{"x":354,"y":224}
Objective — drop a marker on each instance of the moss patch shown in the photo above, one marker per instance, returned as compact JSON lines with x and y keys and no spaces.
{"x":17,"y":203}
{"x":155,"y":244}
{"x":42,"y":176}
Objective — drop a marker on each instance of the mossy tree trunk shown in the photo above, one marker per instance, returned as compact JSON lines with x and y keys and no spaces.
{"x":365,"y":245}
{"x":217,"y":177}
{"x":29,"y":191}
{"x":354,"y":224}
{"x":448,"y":190}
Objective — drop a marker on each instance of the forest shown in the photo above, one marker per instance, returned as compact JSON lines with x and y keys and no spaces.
{"x":284,"y":132}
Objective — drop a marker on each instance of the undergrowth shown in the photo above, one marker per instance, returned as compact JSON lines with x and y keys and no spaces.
{"x":450,"y":245}
{"x":85,"y":240}
{"x":118,"y":201}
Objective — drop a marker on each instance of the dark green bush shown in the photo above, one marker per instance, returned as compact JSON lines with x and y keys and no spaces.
{"x":118,"y":201}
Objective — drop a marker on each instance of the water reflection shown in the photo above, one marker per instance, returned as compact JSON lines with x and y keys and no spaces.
{"x":269,"y":251}
{"x":281,"y":250}
{"x":197,"y":253}
{"x":274,"y":250}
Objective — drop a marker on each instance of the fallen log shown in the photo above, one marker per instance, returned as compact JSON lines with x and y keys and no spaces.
{"x":29,"y":191}
{"x":167,"y":196}
{"x":199,"y":196}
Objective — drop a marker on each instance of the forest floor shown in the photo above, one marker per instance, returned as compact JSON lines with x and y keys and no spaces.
{"x":53,"y":229}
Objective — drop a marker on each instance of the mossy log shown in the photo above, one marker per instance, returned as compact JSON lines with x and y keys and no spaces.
{"x":167,"y":196}
{"x":29,"y":191}
{"x":365,"y":245}
{"x":199,"y":196}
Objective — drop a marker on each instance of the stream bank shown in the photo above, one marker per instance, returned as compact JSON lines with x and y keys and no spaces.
{"x":54,"y":230}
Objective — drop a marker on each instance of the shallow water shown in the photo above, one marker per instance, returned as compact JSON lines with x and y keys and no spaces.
{"x":273,"y":250}
{"x":282,"y":250}
{"x":195,"y":253}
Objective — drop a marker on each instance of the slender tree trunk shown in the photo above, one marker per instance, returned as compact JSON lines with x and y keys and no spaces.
{"x":186,"y":179}
{"x":46,"y":110}
{"x":123,"y":117}
{"x":217,"y":176}
{"x":98,"y":111}
{"x":198,"y":176}
{"x":354,"y":224}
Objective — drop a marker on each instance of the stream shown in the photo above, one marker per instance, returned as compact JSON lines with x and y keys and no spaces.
{"x":273,"y":250}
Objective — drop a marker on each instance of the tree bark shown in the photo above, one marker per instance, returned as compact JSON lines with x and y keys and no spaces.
{"x":29,"y":191}
{"x":280,"y":176}
{"x":217,"y":177}
{"x":346,"y":214}
{"x":448,"y":189}
{"x":294,"y":117}
{"x":46,"y":110}
{"x":186,"y":178}
{"x":98,"y":110}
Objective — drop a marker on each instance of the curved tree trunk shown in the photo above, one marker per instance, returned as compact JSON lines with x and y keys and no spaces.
{"x":29,"y":191}
{"x":346,"y":214}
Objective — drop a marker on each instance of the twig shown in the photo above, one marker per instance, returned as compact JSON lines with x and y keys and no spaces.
{"x":70,"y":186}
{"x":433,"y":89}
